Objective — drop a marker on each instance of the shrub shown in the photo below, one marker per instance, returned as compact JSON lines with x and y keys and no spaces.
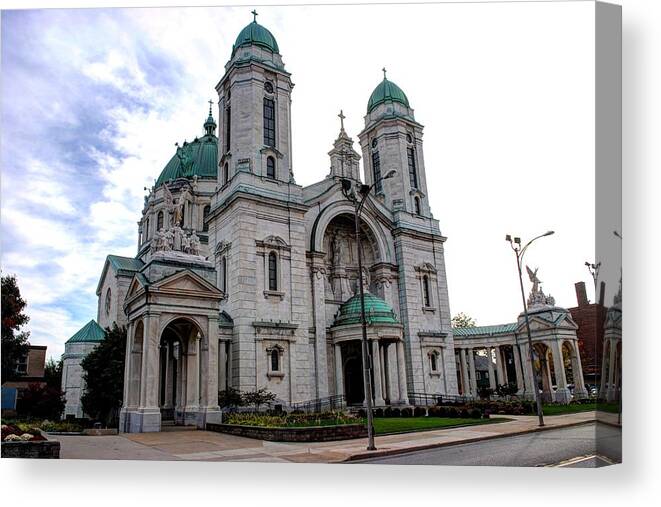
{"x":475,"y":413}
{"x":387,"y":412}
{"x":378,"y":412}
{"x":362,"y":413}
{"x":485,"y":392}
{"x":434,"y":411}
{"x":258,"y":397}
{"x":419,"y":412}
{"x":406,"y":412}
{"x":230,"y":397}
{"x":507,"y":389}
{"x":396,"y":412}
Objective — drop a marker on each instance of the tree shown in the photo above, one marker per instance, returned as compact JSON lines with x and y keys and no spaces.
{"x":230,"y":397}
{"x":258,"y":397}
{"x":14,"y":342}
{"x":103,"y":375}
{"x":41,"y":401}
{"x":463,"y":320}
{"x":53,"y":373}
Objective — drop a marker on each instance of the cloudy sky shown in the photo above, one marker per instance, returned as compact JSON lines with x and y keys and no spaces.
{"x":94,"y":100}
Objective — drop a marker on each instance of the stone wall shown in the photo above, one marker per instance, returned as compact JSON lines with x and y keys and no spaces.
{"x":31,"y":450}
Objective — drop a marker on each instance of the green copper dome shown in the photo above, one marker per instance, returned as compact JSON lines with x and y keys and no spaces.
{"x":199,"y":158}
{"x":386,"y":91}
{"x":377,"y":311}
{"x":256,"y":34}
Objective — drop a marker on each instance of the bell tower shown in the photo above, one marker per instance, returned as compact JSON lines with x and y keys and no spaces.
{"x":392,"y":139}
{"x":254,"y":100}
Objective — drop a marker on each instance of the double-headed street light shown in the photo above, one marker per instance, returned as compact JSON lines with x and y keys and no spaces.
{"x":518,"y":251}
{"x":349,"y":188}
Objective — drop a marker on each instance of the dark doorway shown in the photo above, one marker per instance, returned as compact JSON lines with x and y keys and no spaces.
{"x":353,"y":374}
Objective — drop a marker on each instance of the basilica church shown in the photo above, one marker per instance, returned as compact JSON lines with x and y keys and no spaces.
{"x":245,"y":279}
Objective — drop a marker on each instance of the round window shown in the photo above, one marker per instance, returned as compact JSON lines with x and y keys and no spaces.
{"x":409,"y":138}
{"x":108,"y":300}
{"x":268,"y":86}
{"x":374,"y":143}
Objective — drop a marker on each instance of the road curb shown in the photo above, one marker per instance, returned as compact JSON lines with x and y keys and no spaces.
{"x":424,"y":447}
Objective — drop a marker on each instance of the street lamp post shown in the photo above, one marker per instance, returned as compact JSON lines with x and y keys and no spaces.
{"x":349,"y":191}
{"x":519,"y":252}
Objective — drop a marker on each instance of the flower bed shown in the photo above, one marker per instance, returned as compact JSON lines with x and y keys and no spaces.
{"x":323,"y":427}
{"x":18,"y":443}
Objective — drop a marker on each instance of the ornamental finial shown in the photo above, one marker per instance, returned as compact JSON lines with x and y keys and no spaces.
{"x":254,"y":16}
{"x":384,"y":73}
{"x":210,"y":106}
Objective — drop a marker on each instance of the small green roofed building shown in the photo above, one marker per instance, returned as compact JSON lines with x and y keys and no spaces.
{"x":75,"y":350}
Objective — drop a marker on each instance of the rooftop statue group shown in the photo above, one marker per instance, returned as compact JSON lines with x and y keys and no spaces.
{"x":537,"y":298}
{"x":172,"y":237}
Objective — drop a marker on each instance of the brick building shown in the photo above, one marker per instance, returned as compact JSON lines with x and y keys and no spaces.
{"x":590,"y":318}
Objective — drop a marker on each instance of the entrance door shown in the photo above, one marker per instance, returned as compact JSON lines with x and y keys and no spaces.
{"x":353,"y":374}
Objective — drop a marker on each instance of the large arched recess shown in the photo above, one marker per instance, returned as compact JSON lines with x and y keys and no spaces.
{"x":385,"y":250}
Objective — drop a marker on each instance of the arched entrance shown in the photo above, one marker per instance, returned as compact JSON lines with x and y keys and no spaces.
{"x":353,"y":373}
{"x":179,"y":370}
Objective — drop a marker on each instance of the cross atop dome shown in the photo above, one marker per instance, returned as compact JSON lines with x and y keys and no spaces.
{"x":254,"y":16}
{"x":210,"y":124}
{"x":384,"y":73}
{"x":341,"y":117}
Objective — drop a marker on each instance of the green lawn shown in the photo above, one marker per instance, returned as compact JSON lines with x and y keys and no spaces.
{"x":386,"y":425}
{"x":572,"y":408}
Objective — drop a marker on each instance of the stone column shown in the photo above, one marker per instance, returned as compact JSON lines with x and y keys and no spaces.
{"x":611,"y":390}
{"x":499,"y":367}
{"x":492,"y":377}
{"x":577,"y":369}
{"x":528,"y":371}
{"x":516,"y":350}
{"x":384,"y":371}
{"x":209,"y":374}
{"x":222,"y":366}
{"x":339,"y":383}
{"x":391,"y":356}
{"x":605,"y":369}
{"x":471,"y":365}
{"x":562,"y":393}
{"x":465,"y":390}
{"x":164,"y":389}
{"x":150,"y":413}
{"x":127,"y":366}
{"x":376,"y":364}
{"x":401,"y":367}
{"x":192,"y":380}
{"x":319,"y":302}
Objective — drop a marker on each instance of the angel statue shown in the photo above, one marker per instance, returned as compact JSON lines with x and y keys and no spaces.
{"x":169,"y":203}
{"x":534,"y":279}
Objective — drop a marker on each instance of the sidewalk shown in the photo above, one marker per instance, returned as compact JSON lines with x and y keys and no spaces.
{"x":211,"y":446}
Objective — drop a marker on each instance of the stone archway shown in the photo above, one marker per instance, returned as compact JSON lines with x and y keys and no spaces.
{"x":180,"y":377}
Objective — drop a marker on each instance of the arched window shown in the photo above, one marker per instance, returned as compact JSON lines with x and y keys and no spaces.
{"x":228,"y":125}
{"x":270,"y":167}
{"x":269,"y":122}
{"x":275,"y":360}
{"x":108,"y":301}
{"x":273,"y":271}
{"x":223,"y":274}
{"x":226,"y":173}
{"x":146,"y":229}
{"x":416,"y":201}
{"x":183,"y":216}
{"x":376,"y":172}
{"x":159,"y":221}
{"x":205,"y":216}
{"x":425,"y":291}
{"x":433,"y":360}
{"x":413,"y":175}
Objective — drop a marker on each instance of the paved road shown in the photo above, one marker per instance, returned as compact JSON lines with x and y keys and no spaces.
{"x":534,"y":449}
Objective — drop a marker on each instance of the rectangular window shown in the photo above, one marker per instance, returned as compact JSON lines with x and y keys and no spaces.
{"x":376,"y":172}
{"x":269,"y":122}
{"x":413,"y":175}
{"x":228,"y":123}
{"x":273,"y":272}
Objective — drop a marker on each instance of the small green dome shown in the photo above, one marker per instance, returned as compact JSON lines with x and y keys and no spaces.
{"x":377,"y":311}
{"x":199,"y":158}
{"x":386,"y":91}
{"x":256,"y":34}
